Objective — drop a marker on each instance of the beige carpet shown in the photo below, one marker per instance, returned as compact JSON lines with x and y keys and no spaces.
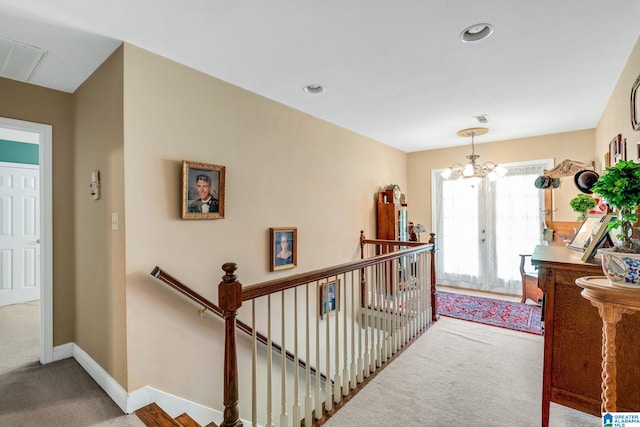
{"x":19,"y":335}
{"x":60,"y":394}
{"x":461,"y":374}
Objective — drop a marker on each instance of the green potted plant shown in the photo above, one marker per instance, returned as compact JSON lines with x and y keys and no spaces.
{"x":581,"y":204}
{"x":620,"y":188}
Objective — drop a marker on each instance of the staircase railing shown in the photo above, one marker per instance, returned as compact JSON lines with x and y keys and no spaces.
{"x":388,"y":297}
{"x":352,"y":320}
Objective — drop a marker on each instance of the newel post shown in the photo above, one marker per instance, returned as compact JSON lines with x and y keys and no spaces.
{"x":230,"y":300}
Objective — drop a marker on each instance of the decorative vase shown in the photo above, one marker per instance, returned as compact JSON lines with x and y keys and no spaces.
{"x":622,"y":269}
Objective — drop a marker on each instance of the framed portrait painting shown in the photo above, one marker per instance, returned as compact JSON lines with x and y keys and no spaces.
{"x":202,"y":190}
{"x":329,"y":297}
{"x":284,"y":248}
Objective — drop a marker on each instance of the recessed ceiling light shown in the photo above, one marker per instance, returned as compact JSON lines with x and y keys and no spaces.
{"x":476,"y":32}
{"x":313,"y":88}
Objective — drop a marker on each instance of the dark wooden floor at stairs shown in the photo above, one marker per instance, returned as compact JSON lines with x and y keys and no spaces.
{"x":153,"y":416}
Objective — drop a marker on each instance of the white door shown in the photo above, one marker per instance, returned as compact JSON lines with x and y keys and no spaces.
{"x":482,"y":228}
{"x":19,"y":234}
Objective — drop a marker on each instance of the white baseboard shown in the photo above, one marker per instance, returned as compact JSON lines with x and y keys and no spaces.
{"x":130,"y":402}
{"x":63,"y":351}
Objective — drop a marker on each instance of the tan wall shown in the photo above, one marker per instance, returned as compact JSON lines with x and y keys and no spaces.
{"x":570,"y":145}
{"x":35,"y":104}
{"x":616,"y":118}
{"x":100,"y":293}
{"x":283,"y":168}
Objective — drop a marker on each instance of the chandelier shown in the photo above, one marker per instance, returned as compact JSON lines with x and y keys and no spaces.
{"x":474,"y":171}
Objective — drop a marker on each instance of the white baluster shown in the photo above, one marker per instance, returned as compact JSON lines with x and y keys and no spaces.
{"x":375,"y":348}
{"x":254,"y":366}
{"x":318,"y":377}
{"x":356,"y":365}
{"x":363,"y":368}
{"x":269,"y":364}
{"x":308,"y":403}
{"x":348,"y":374}
{"x":328,"y":400}
{"x":384,"y":312}
{"x":394,"y":301}
{"x":295,"y":416}
{"x":284,"y":417}
{"x":337,"y":381}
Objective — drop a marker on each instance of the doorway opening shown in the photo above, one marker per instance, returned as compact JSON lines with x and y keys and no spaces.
{"x":28,"y":227}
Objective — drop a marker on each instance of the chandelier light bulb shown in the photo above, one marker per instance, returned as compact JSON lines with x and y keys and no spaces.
{"x":468,"y":170}
{"x":500,"y":171}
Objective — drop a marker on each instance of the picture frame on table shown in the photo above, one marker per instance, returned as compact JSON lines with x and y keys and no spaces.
{"x":600,"y":238}
{"x":329,"y":297}
{"x":583,"y":236}
{"x":203,"y":190}
{"x":284,"y":248}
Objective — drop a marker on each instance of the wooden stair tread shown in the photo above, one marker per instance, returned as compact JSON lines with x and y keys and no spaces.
{"x":186,"y":421}
{"x":153,"y":416}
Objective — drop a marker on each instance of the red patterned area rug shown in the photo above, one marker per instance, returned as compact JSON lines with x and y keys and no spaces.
{"x":494,"y":312}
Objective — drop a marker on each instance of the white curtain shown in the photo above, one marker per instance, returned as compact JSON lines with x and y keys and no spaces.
{"x":482,"y":229}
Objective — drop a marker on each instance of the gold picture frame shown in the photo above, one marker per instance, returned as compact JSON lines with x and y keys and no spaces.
{"x":328,"y":297}
{"x":198,"y":181}
{"x":284,"y":248}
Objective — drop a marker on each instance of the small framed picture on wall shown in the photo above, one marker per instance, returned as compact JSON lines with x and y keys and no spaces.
{"x":202,"y":190}
{"x":284,"y":247}
{"x":329,"y":297}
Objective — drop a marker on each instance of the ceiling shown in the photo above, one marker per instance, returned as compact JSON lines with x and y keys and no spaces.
{"x":396,"y":72}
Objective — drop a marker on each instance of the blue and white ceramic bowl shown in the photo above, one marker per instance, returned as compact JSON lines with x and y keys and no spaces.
{"x":622,"y":269}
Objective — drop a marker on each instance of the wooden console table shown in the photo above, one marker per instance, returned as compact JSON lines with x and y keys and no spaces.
{"x":611,"y":302}
{"x":573,"y":338}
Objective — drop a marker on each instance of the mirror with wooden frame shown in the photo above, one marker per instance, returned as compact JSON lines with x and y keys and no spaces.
{"x":557,"y":212}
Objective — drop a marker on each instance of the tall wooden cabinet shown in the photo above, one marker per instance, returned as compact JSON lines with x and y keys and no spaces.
{"x":392,"y":219}
{"x":573,"y":338}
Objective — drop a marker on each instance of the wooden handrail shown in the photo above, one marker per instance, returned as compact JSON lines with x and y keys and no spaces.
{"x":166,"y":278}
{"x":282,"y":284}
